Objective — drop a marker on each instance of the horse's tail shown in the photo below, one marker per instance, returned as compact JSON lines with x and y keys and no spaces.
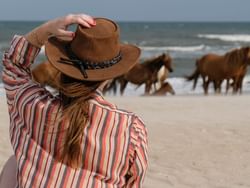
{"x":194,"y":76}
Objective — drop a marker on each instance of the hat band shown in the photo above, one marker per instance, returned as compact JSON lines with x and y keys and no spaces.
{"x":84,"y":65}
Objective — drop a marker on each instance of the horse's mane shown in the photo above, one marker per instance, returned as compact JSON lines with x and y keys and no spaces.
{"x":236,"y":56}
{"x":154,"y":60}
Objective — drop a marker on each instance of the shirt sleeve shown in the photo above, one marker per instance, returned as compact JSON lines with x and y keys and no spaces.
{"x":16,"y":67}
{"x":26,"y":98}
{"x":139,"y":156}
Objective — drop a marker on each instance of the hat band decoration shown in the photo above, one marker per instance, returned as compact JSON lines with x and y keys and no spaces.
{"x":84,"y":65}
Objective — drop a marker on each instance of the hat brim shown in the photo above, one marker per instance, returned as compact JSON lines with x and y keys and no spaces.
{"x":55,"y":49}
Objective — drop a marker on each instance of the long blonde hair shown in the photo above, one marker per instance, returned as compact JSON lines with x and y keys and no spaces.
{"x":75,"y":95}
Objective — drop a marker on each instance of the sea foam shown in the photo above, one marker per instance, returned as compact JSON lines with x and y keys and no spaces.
{"x":226,"y":37}
{"x":173,"y":48}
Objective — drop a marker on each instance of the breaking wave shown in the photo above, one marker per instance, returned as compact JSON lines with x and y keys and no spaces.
{"x":227,"y":38}
{"x":173,"y":48}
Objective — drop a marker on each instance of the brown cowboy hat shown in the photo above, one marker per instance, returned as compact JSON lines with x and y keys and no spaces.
{"x":94,"y":54}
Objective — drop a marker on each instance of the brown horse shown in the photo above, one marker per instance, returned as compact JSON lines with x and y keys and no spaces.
{"x":216,"y":68}
{"x":45,"y":74}
{"x":164,"y":89}
{"x":143,"y":73}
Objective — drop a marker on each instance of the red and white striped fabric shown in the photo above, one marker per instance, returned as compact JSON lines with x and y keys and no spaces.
{"x":114,"y":143}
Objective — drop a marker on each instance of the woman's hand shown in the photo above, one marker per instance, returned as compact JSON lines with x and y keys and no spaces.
{"x":58,"y":28}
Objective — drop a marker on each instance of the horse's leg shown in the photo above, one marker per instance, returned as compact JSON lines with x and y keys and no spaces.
{"x":215,"y":86}
{"x":219,"y":85}
{"x":147,"y":88}
{"x":242,"y":75}
{"x":227,"y":85}
{"x":239,"y":85}
{"x":114,"y":86}
{"x":123,"y":84}
{"x":206,"y":84}
{"x":235,"y":83}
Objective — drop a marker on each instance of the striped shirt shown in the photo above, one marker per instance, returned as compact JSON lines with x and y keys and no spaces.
{"x":115,"y":141}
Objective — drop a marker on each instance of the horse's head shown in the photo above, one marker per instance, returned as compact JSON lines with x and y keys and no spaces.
{"x":239,"y":56}
{"x":167,"y":61}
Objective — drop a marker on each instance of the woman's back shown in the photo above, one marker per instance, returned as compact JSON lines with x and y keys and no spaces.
{"x":113,"y":146}
{"x":83,"y":141}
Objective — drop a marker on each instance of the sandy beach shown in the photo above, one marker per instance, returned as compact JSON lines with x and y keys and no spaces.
{"x":194,"y":141}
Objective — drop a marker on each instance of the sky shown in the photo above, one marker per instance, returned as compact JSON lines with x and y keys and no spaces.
{"x":129,"y":10}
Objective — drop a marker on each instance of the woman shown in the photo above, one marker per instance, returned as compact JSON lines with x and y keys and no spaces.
{"x":75,"y":139}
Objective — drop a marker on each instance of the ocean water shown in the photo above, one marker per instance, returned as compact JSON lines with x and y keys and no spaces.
{"x":184,"y":42}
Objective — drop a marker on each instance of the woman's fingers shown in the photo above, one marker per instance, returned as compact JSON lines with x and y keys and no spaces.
{"x":65,"y":33}
{"x":82,"y":19}
{"x":87,"y":18}
{"x":59,"y":26}
{"x":64,"y":38}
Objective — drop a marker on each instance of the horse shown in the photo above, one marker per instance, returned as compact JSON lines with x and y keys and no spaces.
{"x":216,"y":68}
{"x":143,"y":73}
{"x":46,"y":74}
{"x":162,"y":75}
{"x":164,"y":89}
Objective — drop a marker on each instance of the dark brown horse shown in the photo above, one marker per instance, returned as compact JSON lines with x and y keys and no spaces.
{"x":216,"y":68}
{"x":143,"y":73}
